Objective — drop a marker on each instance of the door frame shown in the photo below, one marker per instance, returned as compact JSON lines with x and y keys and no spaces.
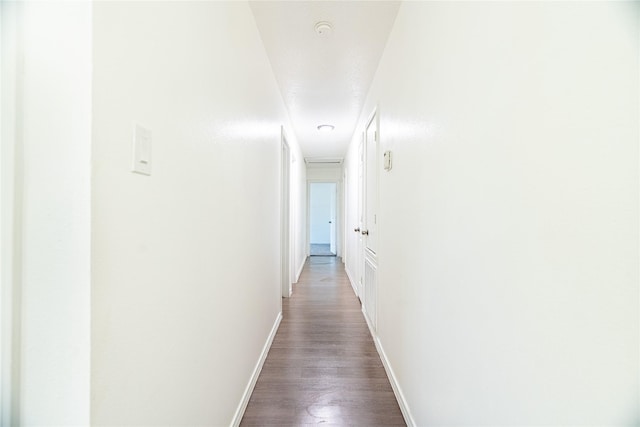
{"x":285,"y":216}
{"x":338,"y":212}
{"x":360,"y":207}
{"x":345,"y":207}
{"x":374,"y":119}
{"x":10,"y":213}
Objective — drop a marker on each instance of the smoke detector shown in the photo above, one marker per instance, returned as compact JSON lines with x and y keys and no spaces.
{"x":324,"y":28}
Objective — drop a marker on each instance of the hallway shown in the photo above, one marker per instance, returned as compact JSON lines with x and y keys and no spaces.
{"x":323,"y":367}
{"x":480,"y":166}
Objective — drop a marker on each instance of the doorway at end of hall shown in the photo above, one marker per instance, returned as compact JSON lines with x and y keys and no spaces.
{"x":322,"y":218}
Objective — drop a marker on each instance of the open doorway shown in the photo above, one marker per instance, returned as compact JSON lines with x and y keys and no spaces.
{"x":322,"y":218}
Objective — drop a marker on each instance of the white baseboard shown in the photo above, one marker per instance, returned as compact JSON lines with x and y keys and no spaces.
{"x":353,"y":283}
{"x":237,"y":417}
{"x":300,"y":270}
{"x":402,"y":402}
{"x":371,"y":330}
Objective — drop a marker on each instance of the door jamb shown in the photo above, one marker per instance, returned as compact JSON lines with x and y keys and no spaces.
{"x":10,"y":213}
{"x":285,"y":215}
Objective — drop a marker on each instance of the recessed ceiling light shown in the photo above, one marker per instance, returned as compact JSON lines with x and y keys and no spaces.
{"x":324,"y":28}
{"x":326,"y":128}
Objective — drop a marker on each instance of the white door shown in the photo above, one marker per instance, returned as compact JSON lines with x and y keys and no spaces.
{"x":370,"y":222}
{"x":360,"y":222}
{"x":371,"y":185}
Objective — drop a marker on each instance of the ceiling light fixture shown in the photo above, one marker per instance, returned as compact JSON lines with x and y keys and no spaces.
{"x":326,"y":128}
{"x":324,"y":28}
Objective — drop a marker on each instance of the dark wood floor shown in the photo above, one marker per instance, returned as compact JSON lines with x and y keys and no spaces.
{"x":323,"y":367}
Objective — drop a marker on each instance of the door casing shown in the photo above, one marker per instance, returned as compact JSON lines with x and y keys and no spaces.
{"x":285,"y":216}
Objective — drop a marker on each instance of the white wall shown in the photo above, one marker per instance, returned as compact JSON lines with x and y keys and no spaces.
{"x":324,"y":172}
{"x":321,"y":204}
{"x":185,"y":261}
{"x":508,"y":276}
{"x":52,"y":190}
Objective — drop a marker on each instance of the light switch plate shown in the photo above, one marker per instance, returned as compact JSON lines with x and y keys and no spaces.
{"x":141,"y":150}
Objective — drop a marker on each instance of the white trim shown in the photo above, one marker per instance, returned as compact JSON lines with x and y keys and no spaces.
{"x":299,"y":272}
{"x":10,"y":214}
{"x":237,"y":417}
{"x":324,"y":160}
{"x":371,"y":330}
{"x":285,"y":216}
{"x":395,"y":385}
{"x":353,"y":283}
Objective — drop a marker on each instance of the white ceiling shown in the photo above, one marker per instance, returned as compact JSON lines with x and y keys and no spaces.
{"x":324,"y":80}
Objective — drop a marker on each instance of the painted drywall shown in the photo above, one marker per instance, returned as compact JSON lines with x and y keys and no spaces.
{"x":508,"y":251}
{"x":185,"y":264}
{"x":324,"y":172}
{"x":52,"y":179}
{"x":321,"y":207}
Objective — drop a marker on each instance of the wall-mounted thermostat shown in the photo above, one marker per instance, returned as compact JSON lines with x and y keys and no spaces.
{"x":141,"y":150}
{"x":387,"y":160}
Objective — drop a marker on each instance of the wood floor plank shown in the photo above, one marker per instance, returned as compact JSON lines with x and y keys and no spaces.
{"x":323,"y":367}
